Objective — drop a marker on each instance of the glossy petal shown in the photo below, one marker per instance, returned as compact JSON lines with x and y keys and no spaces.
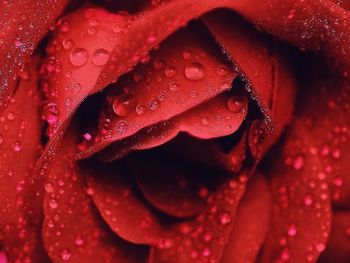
{"x":75,"y":59}
{"x":204,"y":238}
{"x":66,"y":201}
{"x":325,"y":109}
{"x":20,"y":132}
{"x":122,"y":208}
{"x":184,"y":72}
{"x":338,"y":247}
{"x":301,"y":211}
{"x":251,"y":224}
{"x":23,"y":24}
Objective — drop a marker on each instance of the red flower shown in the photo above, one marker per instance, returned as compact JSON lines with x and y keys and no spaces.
{"x":175,"y":131}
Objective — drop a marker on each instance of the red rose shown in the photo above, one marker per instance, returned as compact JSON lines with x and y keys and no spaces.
{"x":175,"y":131}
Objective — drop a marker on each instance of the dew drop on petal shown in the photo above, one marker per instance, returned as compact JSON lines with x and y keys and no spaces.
{"x":173,"y":86}
{"x":49,"y":188}
{"x":221,"y":70}
{"x":320,"y":247}
{"x":292,"y":230}
{"x":308,"y":199}
{"x":153,"y":105}
{"x":122,"y":126}
{"x":53,"y":203}
{"x":17,"y":146}
{"x":79,"y":241}
{"x":100,"y":57}
{"x":235,"y":105}
{"x":151,"y":39}
{"x":205,"y":121}
{"x":158,"y":64}
{"x":78,"y":56}
{"x":225,"y":218}
{"x":10,"y":116}
{"x":92,"y":30}
{"x":67,"y":43}
{"x":298,"y":162}
{"x":122,"y":106}
{"x":51,"y":113}
{"x":170,"y":71}
{"x":195,"y":71}
{"x":65,"y":254}
{"x":140,"y":109}
{"x":186,"y":54}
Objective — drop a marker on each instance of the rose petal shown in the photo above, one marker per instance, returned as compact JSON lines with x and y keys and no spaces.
{"x":251,"y":225}
{"x":75,"y":59}
{"x":267,"y":70}
{"x":20,"y":135}
{"x":248,"y":49}
{"x":218,"y":117}
{"x":184,"y":72}
{"x":133,"y":220}
{"x":121,"y":207}
{"x":338,"y":247}
{"x":66,"y":200}
{"x":173,"y":185}
{"x":203,"y":239}
{"x":301,"y":212}
{"x":23,"y":24}
{"x":282,"y":20}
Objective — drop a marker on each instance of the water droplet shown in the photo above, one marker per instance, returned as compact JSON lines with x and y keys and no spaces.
{"x":225,"y":218}
{"x":51,"y":113}
{"x":1,"y":139}
{"x":292,"y":230}
{"x":170,"y":71}
{"x":53,"y":203}
{"x":336,"y":154}
{"x":100,"y":57}
{"x":186,"y":54}
{"x":140,"y":109}
{"x":158,"y":64}
{"x":151,"y":39}
{"x":123,"y":105}
{"x":65,"y":254}
{"x":235,"y":105}
{"x":153,"y":105}
{"x":49,"y":188}
{"x":195,"y":71}
{"x":221,"y":70}
{"x":92,"y":30}
{"x":206,"y":252}
{"x":122,"y":126}
{"x":298,"y":162}
{"x":308,"y":199}
{"x":320,"y":247}
{"x":117,"y":28}
{"x":173,"y":86}
{"x":17,"y":146}
{"x":79,"y":241}
{"x":90,"y":191}
{"x":78,"y":56}
{"x":11,"y":116}
{"x":67,"y":43}
{"x":205,"y":121}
